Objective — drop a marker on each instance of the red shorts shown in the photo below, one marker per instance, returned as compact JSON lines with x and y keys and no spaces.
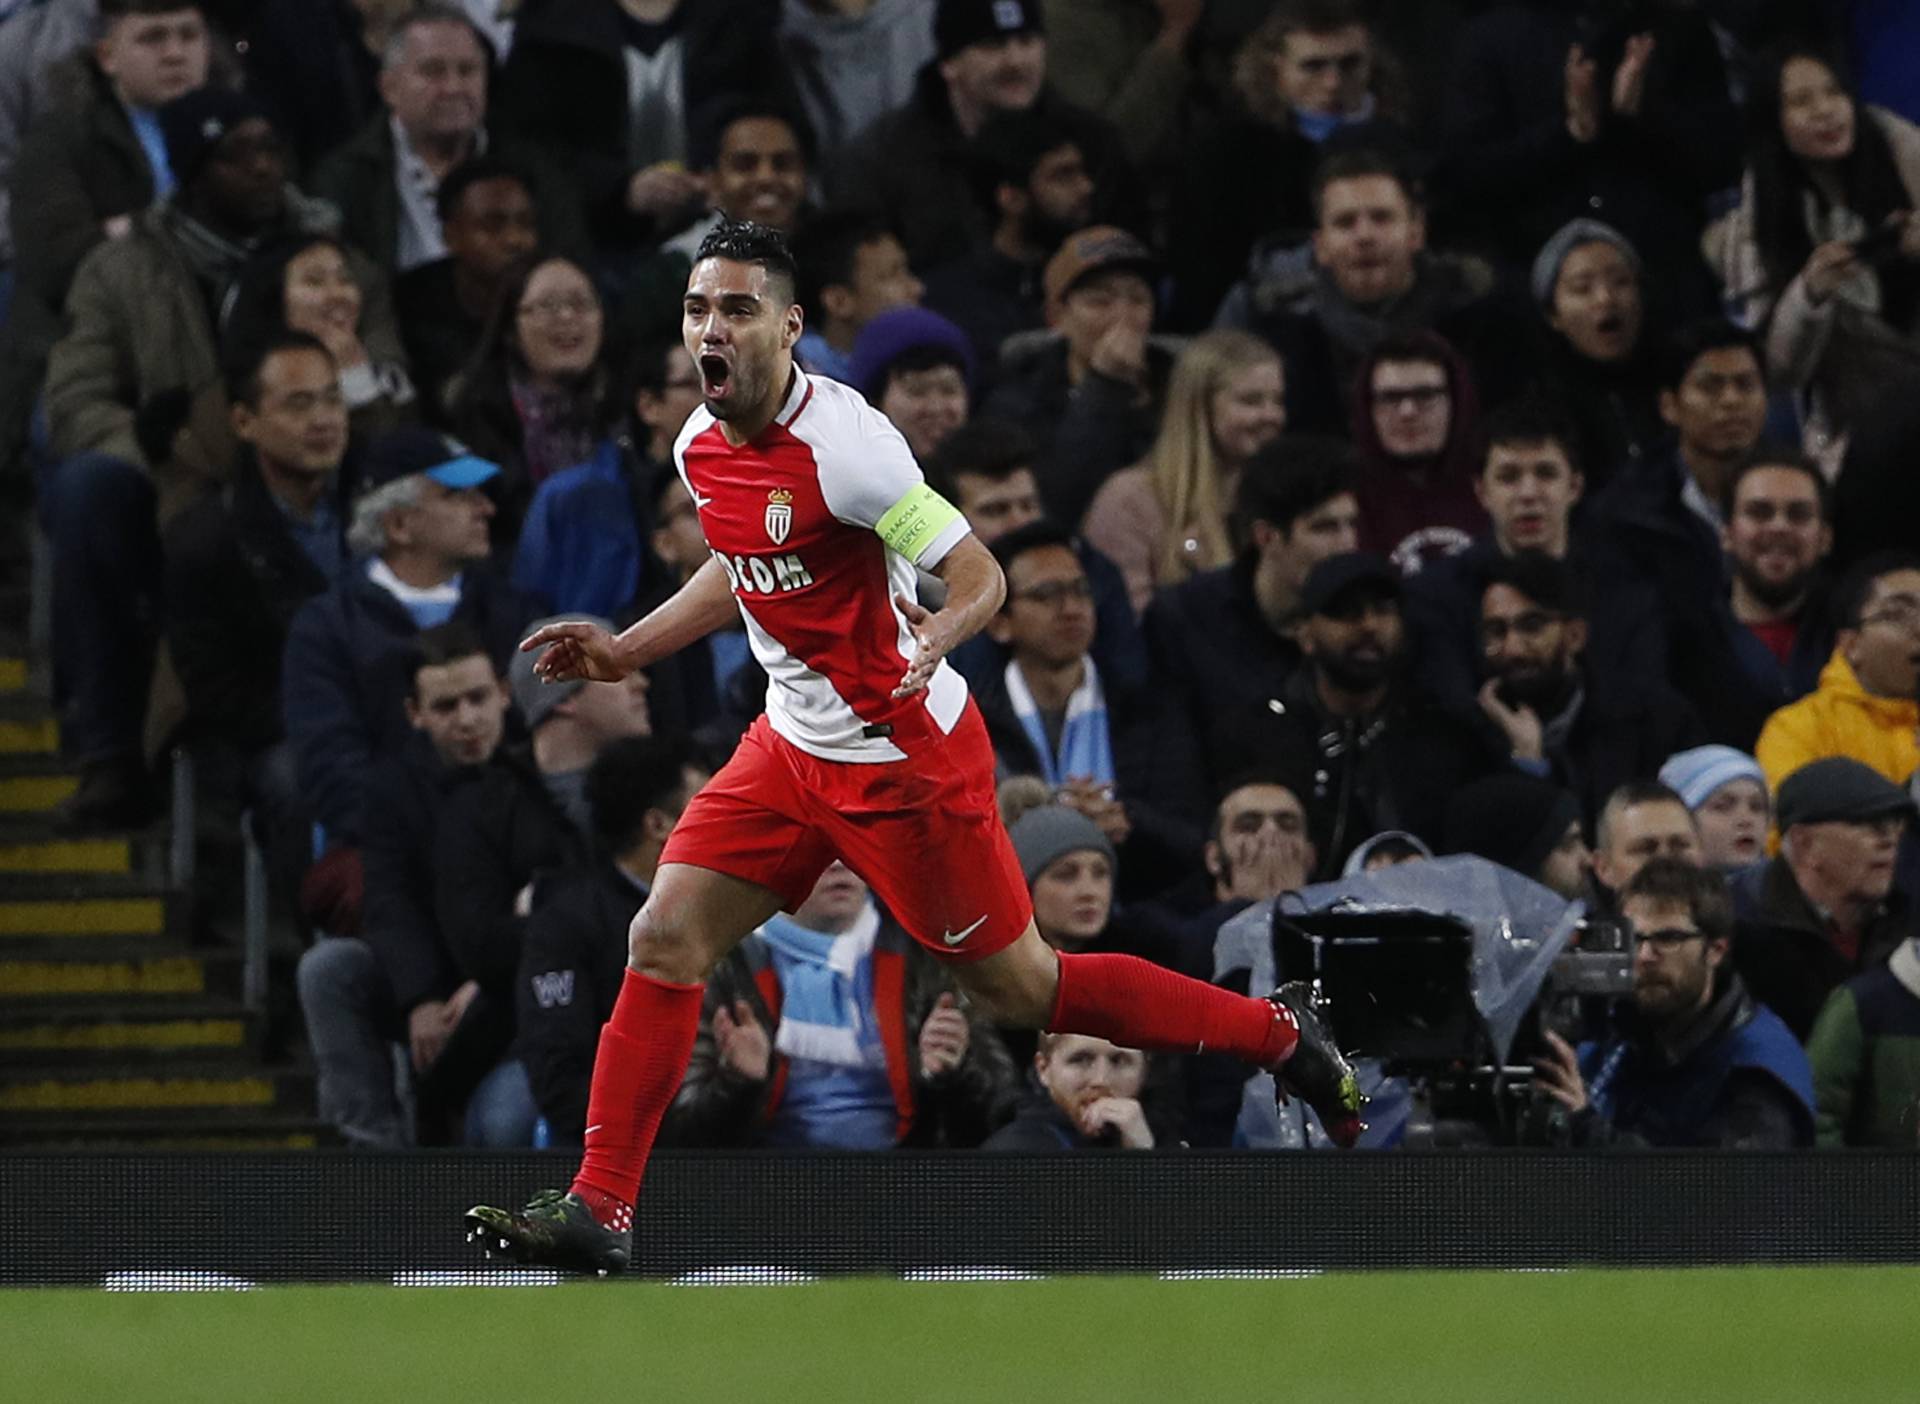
{"x":925,"y":834}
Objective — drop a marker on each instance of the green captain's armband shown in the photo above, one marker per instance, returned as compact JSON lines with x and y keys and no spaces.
{"x":914,"y":520}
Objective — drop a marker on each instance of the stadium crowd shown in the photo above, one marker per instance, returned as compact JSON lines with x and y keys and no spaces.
{"x":1407,"y":427}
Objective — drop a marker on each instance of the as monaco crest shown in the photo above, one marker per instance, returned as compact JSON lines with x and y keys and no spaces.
{"x":779,"y":515}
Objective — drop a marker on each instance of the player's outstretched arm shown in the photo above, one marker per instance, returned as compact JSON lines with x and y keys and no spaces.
{"x":577,"y":649}
{"x":975,"y":590}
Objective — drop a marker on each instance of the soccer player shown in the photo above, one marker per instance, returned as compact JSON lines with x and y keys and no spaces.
{"x":870,"y":750}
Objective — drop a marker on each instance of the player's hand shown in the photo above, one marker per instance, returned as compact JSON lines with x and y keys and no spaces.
{"x":575,"y":649}
{"x":1558,"y":1074}
{"x":934,"y":635}
{"x":944,"y":1038}
{"x":1118,"y":1114}
{"x":742,"y":1041}
{"x":1630,"y":78}
{"x":1521,"y":725}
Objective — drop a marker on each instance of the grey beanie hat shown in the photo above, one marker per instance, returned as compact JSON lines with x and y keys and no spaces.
{"x":1053,"y":831}
{"x":1570,"y":236}
{"x":534,"y":698}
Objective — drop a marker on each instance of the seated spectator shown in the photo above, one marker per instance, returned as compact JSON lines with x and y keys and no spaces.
{"x":1866,"y":1090}
{"x":916,"y":368}
{"x":488,"y":222}
{"x":535,"y":395}
{"x":397,"y":985}
{"x":1696,"y":1060}
{"x":89,"y":164}
{"x":1366,"y":276}
{"x":139,"y":325}
{"x":1034,"y":183}
{"x":1416,"y":426}
{"x":1826,"y":907}
{"x":1070,"y":866}
{"x":1164,"y":520}
{"x":575,"y":954}
{"x":1546,"y":708}
{"x":1524,"y":823}
{"x":1089,"y":1098}
{"x":1641,"y":821}
{"x":1257,"y":848}
{"x":1308,"y":81}
{"x":1820,"y":255}
{"x":806,"y":1037}
{"x":853,"y":64}
{"x":309,"y":284}
{"x":1228,"y":635}
{"x":852,"y":269}
{"x":1727,"y":793}
{"x":1091,"y":395}
{"x":419,"y":537}
{"x":36,"y":39}
{"x":1388,"y":849}
{"x":241,"y":562}
{"x":584,"y":545}
{"x":1865,"y":706}
{"x":913,"y":165}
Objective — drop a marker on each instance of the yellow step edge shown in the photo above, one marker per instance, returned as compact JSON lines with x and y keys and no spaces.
{"x":31,"y":794}
{"x":30,"y":738}
{"x":108,"y":1035}
{"x":115,"y":1093}
{"x":169,"y":975}
{"x":85,"y":916}
{"x":293,"y":1140}
{"x":67,"y":856}
{"x":13,"y":674}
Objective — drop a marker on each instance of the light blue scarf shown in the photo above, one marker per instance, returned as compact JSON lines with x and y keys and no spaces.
{"x":1086,"y":749}
{"x":826,"y":991}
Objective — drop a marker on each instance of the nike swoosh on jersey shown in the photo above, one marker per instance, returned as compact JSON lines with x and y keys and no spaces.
{"x":700,"y":504}
{"x":954,"y":938}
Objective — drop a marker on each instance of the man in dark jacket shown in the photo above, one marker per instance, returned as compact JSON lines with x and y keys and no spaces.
{"x":576,"y":947}
{"x":1826,"y":907}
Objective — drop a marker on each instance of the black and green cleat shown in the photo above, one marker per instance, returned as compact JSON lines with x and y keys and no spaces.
{"x":1318,"y":1072}
{"x":556,"y":1229}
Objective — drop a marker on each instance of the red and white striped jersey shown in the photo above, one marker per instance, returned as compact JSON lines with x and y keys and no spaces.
{"x":819,"y":522}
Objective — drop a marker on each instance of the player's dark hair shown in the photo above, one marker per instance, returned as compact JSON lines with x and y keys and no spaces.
{"x":246,"y":359}
{"x":743,"y":241}
{"x":1701,"y":336}
{"x":1531,"y":419}
{"x":828,"y":252}
{"x":1294,"y":475}
{"x":1856,"y":586}
{"x":629,"y":778}
{"x":452,"y":642}
{"x":1352,"y":163}
{"x":1775,"y":454}
{"x":994,"y":449}
{"x":1702,"y":891}
{"x":1549,"y":583}
{"x":469,"y":173}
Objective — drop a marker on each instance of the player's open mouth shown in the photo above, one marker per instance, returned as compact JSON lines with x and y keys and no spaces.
{"x":715,"y":376}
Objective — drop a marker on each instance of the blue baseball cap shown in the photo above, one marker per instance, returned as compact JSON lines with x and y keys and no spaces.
{"x":404,"y":452}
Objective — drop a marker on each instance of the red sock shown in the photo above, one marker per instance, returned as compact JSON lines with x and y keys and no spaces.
{"x":643,"y":1054}
{"x":1138,"y":1004}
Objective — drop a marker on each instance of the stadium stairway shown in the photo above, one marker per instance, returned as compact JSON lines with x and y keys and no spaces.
{"x":121,"y":1013}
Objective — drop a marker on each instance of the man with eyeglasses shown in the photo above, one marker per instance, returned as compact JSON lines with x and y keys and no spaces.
{"x":1868,"y":703}
{"x":1693,"y":1059}
{"x":1416,"y":432}
{"x":1828,"y":906}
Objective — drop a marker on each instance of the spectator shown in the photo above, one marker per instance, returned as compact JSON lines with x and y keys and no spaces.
{"x":241,"y":562}
{"x":576,"y":949}
{"x":1865,"y":706}
{"x":1089,"y":1097}
{"x":139,"y":325}
{"x":1257,"y":847}
{"x":1090,"y":395}
{"x":1524,"y":823}
{"x":434,"y":73}
{"x":1129,"y":65}
{"x":913,"y":165}
{"x":1727,"y":794}
{"x":419,"y":536}
{"x":35,"y":40}
{"x":309,"y":283}
{"x":1866,"y":1092}
{"x":1387,"y":849}
{"x":1071,"y":869}
{"x":1416,"y":425}
{"x":584,"y":547}
{"x":92,"y":160}
{"x":535,"y":394}
{"x":916,"y":368}
{"x":1228,"y":636}
{"x":853,"y":62}
{"x":488,"y":222}
{"x":1641,"y":821}
{"x":806,"y":1037}
{"x":1164,"y":520}
{"x":1826,"y":907}
{"x":1546,"y":709}
{"x":1307,"y":82}
{"x":1823,"y":253}
{"x":1697,"y":1060}
{"x":753,"y":160}
{"x":1365,"y":277}
{"x":853,"y":269}
{"x":397,"y":985}
{"x":1033,"y":180}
